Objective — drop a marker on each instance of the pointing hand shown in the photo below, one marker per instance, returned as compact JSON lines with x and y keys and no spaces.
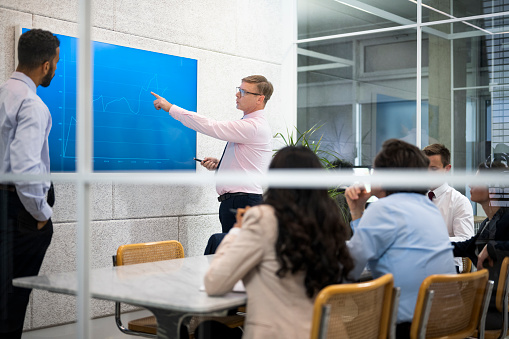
{"x":161,"y":102}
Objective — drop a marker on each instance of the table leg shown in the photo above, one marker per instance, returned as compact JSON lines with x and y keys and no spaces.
{"x":168,"y":323}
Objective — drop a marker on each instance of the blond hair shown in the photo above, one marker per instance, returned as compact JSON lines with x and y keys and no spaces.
{"x":264,"y":86}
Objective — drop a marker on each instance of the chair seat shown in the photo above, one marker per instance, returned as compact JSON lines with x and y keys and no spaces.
{"x":156,"y":251}
{"x":488,"y":334}
{"x":145,"y":325}
{"x":231,"y":321}
{"x":149,"y":324}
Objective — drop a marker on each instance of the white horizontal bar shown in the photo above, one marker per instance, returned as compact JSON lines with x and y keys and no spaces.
{"x":376,"y":11}
{"x":276,"y":178}
{"x":466,"y":18}
{"x":318,"y":55}
{"x":320,"y":67}
{"x":356,"y":33}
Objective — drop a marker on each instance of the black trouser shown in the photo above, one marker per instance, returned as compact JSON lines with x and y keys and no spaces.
{"x":22,"y":250}
{"x":227,"y":216}
{"x":403,"y":330}
{"x":212,"y":329}
{"x":213,"y":243}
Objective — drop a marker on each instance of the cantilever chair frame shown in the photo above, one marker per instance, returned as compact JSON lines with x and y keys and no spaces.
{"x":425,"y":299}
{"x":502,"y":299}
{"x":118,"y":260}
{"x":321,"y":310}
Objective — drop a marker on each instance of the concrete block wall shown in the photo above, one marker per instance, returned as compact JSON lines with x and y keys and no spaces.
{"x":230,"y":39}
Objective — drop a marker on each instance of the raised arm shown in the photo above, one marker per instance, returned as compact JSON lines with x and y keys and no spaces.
{"x":239,"y":131}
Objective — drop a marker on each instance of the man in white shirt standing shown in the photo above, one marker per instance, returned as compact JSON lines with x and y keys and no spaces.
{"x":454,"y":206}
{"x":26,"y":228}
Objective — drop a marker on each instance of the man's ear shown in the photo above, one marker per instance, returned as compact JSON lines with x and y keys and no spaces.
{"x":45,"y":67}
{"x":448,"y":168}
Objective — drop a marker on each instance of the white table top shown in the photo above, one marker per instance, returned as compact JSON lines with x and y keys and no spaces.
{"x":165,"y":285}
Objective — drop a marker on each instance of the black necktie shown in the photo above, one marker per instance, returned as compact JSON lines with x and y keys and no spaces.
{"x":431,"y":195}
{"x":219,"y":164}
{"x":51,"y":195}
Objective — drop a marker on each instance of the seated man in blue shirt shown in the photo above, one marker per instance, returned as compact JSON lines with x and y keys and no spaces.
{"x":402,"y":233}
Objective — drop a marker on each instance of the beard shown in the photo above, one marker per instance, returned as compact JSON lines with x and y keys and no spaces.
{"x":48,"y":77}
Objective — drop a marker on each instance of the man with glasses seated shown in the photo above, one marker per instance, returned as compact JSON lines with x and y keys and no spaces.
{"x":248,"y":148}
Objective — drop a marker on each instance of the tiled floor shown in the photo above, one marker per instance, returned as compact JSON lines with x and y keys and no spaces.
{"x":101,"y":328}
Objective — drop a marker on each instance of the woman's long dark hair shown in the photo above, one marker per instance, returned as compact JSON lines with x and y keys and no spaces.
{"x":312,"y":234}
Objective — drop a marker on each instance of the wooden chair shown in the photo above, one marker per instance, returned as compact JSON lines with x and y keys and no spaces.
{"x":150,"y":252}
{"x":467,"y":265}
{"x":361,"y":310}
{"x":501,"y":301}
{"x":451,"y":305}
{"x":143,"y":253}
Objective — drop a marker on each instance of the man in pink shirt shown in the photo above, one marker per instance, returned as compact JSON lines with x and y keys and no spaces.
{"x":248,"y":147}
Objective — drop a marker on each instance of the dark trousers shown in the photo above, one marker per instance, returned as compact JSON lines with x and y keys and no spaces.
{"x":22,"y":250}
{"x":213,"y":243}
{"x":403,"y":330}
{"x":215,"y":330}
{"x":227,"y":216}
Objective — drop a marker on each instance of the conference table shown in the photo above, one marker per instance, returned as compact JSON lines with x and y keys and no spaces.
{"x":170,"y":289}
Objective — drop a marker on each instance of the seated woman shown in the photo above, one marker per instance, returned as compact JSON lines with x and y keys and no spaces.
{"x":494,"y":229}
{"x":285,"y":251}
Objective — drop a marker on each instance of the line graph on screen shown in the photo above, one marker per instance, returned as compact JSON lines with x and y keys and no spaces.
{"x":129,"y":134}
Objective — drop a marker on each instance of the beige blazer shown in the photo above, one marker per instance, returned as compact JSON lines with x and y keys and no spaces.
{"x":276,"y":307}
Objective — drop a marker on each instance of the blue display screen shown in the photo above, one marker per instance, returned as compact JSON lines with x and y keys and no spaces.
{"x":129,"y":133}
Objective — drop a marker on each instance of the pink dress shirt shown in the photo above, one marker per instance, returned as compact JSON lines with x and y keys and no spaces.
{"x":249,"y":144}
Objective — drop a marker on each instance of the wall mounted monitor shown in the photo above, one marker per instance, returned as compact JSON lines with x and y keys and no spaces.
{"x":129,"y":133}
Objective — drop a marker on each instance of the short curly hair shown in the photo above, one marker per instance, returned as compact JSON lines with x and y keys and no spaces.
{"x":35,"y":47}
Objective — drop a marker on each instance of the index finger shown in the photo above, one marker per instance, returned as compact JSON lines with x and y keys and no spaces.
{"x":157,"y":96}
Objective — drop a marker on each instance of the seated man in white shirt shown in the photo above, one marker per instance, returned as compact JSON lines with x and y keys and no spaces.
{"x":454,"y":206}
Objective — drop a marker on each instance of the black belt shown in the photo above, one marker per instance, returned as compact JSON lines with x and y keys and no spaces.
{"x":226,"y":196}
{"x":10,"y":188}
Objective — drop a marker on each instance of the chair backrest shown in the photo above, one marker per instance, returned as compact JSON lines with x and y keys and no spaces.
{"x":467,"y":265}
{"x":149,"y":252}
{"x":502,"y":284}
{"x":361,"y":310}
{"x":456,"y":305}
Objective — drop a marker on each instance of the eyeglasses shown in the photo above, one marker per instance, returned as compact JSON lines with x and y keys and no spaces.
{"x":244,"y":92}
